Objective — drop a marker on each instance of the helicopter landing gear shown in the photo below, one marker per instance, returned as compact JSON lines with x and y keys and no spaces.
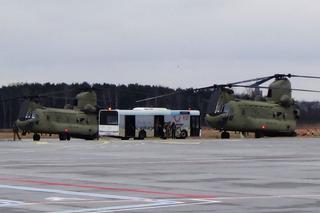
{"x":36,"y":137}
{"x":64,"y":136}
{"x":258,"y":135}
{"x":225,"y":135}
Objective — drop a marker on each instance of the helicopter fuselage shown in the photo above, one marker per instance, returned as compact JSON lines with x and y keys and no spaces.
{"x":262,"y":118}
{"x":71,"y":122}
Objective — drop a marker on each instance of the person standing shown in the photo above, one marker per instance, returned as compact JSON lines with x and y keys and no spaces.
{"x":173,"y":130}
{"x":160,"y":131}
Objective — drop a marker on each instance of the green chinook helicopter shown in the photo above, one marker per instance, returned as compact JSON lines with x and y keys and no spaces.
{"x":79,"y":120}
{"x":274,"y":115}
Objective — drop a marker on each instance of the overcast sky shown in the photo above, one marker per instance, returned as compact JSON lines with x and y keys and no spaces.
{"x":175,"y":43}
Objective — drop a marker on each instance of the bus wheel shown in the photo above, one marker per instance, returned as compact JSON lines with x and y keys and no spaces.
{"x":183,"y":134}
{"x":225,"y":135}
{"x":36,"y":137}
{"x":62,"y":136}
{"x":259,"y":135}
{"x":142,"y":135}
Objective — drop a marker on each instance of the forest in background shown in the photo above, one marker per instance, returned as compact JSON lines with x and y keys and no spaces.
{"x":117,"y":97}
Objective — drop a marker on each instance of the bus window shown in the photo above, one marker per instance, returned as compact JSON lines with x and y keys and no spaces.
{"x":108,"y":118}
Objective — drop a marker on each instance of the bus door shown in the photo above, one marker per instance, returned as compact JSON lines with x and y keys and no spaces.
{"x":158,"y":125}
{"x":195,"y":126}
{"x":130,"y":126}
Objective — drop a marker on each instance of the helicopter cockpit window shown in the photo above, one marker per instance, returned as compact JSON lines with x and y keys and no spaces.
{"x":30,"y":115}
{"x":33,"y":115}
{"x":226,"y":109}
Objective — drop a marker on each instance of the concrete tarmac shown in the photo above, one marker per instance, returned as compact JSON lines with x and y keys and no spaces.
{"x":247,"y":175}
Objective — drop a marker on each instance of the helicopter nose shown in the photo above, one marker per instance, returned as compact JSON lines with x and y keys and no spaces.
{"x":217,"y":121}
{"x":24,"y":125}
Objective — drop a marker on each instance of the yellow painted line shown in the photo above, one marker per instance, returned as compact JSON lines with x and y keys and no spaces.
{"x":40,"y":143}
{"x":182,"y":143}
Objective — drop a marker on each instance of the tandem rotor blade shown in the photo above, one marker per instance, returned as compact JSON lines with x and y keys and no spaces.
{"x":304,"y":76}
{"x":159,"y":96}
{"x":263,"y":87}
{"x":215,"y":86}
{"x":256,"y":84}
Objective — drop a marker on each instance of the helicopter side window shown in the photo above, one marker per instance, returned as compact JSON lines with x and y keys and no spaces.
{"x":80,"y":120}
{"x":75,"y":102}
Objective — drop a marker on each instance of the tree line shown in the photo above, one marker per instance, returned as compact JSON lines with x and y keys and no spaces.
{"x":116,"y":97}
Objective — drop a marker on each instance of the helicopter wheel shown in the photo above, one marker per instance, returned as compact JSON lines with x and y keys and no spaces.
{"x":225,"y":135}
{"x":36,"y":137}
{"x":62,"y":137}
{"x":258,"y":135}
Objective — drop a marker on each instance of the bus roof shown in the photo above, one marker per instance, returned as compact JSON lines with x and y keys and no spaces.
{"x":155,"y":111}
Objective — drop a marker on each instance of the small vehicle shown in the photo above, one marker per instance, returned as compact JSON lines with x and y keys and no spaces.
{"x":140,"y":123}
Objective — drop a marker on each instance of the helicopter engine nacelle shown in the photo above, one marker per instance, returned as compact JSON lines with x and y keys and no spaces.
{"x":280,"y":91}
{"x":286,"y":101}
{"x":87,"y":101}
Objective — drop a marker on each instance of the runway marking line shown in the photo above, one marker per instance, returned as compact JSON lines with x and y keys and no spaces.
{"x":40,"y":143}
{"x":103,"y":188}
{"x":181,"y":143}
{"x":148,"y":203}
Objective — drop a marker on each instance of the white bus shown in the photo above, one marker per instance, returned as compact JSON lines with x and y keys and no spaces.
{"x":148,"y":122}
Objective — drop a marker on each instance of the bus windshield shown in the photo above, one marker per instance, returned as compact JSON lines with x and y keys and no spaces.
{"x":108,"y":118}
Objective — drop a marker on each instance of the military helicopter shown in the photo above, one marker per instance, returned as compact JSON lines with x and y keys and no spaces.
{"x":274,"y":115}
{"x":79,"y":121}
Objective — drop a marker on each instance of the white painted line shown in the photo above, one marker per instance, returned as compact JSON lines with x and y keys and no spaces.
{"x":57,"y":199}
{"x":86,"y":194}
{"x":268,"y":197}
{"x":207,"y":200}
{"x":10,"y":203}
{"x":155,"y":202}
{"x":135,"y":207}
